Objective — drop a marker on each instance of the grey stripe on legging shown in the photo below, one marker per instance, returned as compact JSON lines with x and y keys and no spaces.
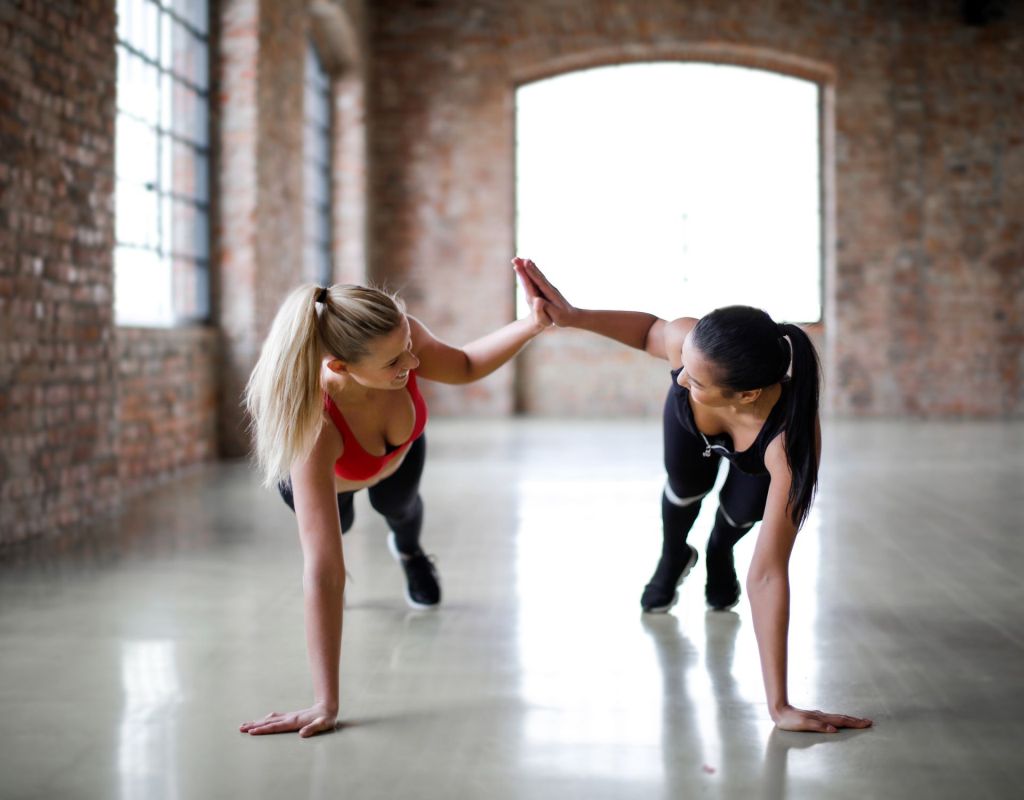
{"x":682,"y":502}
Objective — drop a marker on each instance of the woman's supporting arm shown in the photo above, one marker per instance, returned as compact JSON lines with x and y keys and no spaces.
{"x":768,"y":591}
{"x":323,"y":584}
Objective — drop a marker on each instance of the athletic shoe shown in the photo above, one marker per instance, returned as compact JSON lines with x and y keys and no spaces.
{"x":660,"y":593}
{"x":722,"y":590}
{"x":422,"y":589}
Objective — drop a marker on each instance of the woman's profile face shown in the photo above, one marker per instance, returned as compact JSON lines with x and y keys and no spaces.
{"x":388,"y":362}
{"x":698,"y":375}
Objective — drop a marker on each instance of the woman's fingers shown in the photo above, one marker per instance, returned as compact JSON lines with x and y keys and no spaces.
{"x":528,"y":285}
{"x":807,"y":721}
{"x":542,"y":283}
{"x":845,"y":721}
{"x":307,"y":722}
{"x":282,"y":726}
{"x":532,"y":271}
{"x":819,"y":721}
{"x":274,"y":722}
{"x":532,"y":278}
{"x":842,"y":720}
{"x":245,"y":727}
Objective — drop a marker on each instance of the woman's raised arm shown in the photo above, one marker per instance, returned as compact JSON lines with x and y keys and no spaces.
{"x":660,"y":338}
{"x":443,"y":362}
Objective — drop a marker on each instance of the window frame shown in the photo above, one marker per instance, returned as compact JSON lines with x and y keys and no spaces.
{"x":820,"y":80}
{"x":318,"y":162}
{"x":160,"y":22}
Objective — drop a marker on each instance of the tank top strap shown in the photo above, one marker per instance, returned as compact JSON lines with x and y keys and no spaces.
{"x":338,"y":417}
{"x":776,"y":422}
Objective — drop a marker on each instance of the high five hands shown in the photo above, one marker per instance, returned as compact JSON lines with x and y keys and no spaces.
{"x":545,"y":300}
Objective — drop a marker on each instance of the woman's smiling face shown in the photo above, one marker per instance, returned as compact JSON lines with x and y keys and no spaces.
{"x":698,"y":375}
{"x":389,"y":361}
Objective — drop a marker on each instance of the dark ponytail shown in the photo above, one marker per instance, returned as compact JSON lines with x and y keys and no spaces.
{"x":751,"y":352}
{"x":802,"y":422}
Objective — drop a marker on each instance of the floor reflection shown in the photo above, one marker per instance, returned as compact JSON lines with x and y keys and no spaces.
{"x":775,"y":779}
{"x":685,"y":743}
{"x":587,"y":679}
{"x":694,"y":708}
{"x":126,"y":667}
{"x":147,"y":737}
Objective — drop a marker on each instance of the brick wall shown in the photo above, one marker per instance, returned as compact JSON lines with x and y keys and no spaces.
{"x":235,"y":118}
{"x":925,"y":284}
{"x":58,"y":443}
{"x":924,"y":287}
{"x":88,"y":412}
{"x":929,"y":291}
{"x":259,"y":232}
{"x":167,"y":402}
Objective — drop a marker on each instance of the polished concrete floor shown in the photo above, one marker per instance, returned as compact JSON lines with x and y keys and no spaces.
{"x":129,"y":657}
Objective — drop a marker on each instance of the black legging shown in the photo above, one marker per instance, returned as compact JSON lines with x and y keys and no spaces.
{"x":690,"y":477}
{"x":396,"y":498}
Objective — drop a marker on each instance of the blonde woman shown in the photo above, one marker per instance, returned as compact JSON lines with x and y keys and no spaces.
{"x":336,"y":408}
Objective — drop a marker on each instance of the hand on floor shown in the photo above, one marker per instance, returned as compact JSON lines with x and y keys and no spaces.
{"x":308,"y":722}
{"x":796,"y":719}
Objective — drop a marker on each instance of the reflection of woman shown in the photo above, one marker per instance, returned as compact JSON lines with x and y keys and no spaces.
{"x":749,"y":393}
{"x":336,"y":408}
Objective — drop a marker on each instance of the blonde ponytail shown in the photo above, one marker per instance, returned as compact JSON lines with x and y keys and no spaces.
{"x":284,"y":396}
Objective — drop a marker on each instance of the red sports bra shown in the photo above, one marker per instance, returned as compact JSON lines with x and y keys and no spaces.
{"x":355,"y":463}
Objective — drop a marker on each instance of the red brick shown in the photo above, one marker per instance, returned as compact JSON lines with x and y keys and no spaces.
{"x":907,"y":92}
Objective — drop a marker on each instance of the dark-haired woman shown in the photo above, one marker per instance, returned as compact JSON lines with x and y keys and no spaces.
{"x":744,"y":388}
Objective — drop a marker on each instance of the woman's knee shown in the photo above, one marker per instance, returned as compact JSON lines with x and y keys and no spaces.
{"x":397,"y":507}
{"x":346,"y":512}
{"x":743,"y":505}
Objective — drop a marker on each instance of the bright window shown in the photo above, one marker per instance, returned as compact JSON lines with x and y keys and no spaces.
{"x":317,"y":178}
{"x":673,"y":188}
{"x":162,"y":252}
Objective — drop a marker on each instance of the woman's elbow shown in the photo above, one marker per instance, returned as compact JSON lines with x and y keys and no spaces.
{"x":327,"y":576}
{"x":764,"y":578}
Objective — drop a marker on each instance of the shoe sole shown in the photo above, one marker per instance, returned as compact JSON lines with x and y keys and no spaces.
{"x":729,"y":607}
{"x":675,"y":598}
{"x":408,"y":598}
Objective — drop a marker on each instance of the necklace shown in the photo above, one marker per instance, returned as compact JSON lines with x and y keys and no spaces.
{"x":708,"y":446}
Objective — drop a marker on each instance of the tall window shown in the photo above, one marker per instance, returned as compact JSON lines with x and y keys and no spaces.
{"x":673,"y":188}
{"x":162,"y":254}
{"x":317,"y":178}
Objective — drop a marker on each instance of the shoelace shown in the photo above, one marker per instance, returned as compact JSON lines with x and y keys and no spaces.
{"x":423,"y":561}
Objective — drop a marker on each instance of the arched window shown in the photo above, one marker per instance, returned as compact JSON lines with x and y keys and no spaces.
{"x":162,"y":201}
{"x":673,"y":188}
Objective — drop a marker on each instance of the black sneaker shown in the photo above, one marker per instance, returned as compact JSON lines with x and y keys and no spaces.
{"x":722,"y":590}
{"x":660,"y":593}
{"x":422,"y":589}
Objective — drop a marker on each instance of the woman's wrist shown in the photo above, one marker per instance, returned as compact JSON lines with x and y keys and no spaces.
{"x":534,"y":328}
{"x":777,"y":709}
{"x":327,"y":706}
{"x":571,"y":317}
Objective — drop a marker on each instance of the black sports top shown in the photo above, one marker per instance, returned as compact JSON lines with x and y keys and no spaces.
{"x":751,"y":460}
